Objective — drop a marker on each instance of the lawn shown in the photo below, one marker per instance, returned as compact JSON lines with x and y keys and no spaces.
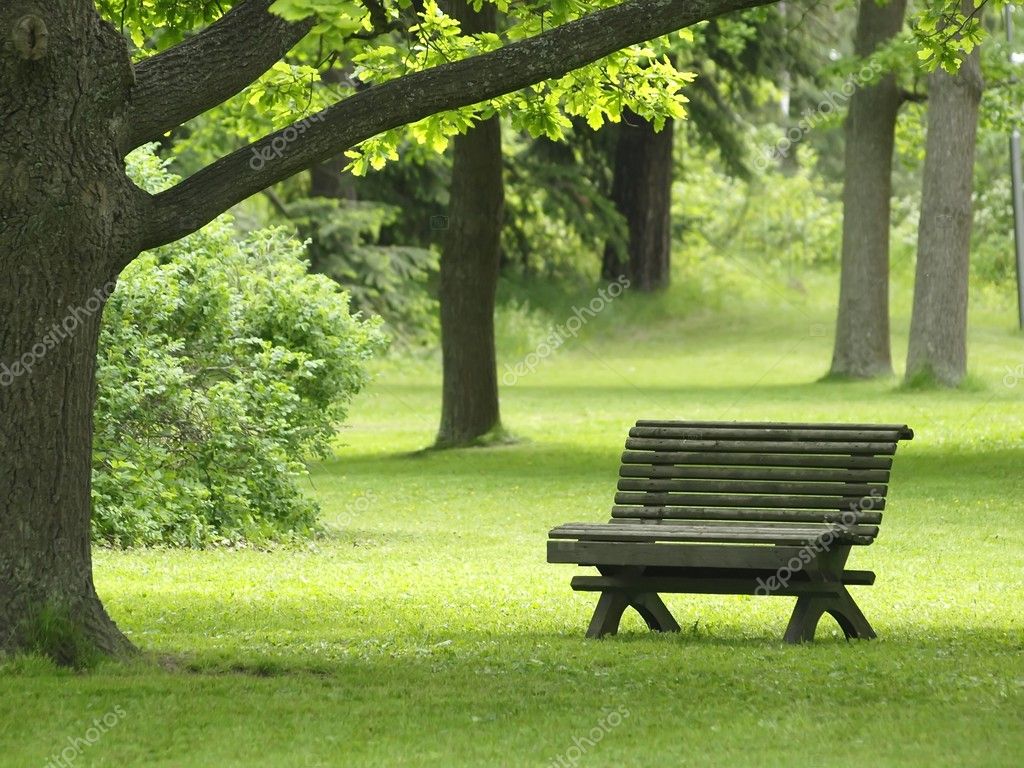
{"x":426,"y":629}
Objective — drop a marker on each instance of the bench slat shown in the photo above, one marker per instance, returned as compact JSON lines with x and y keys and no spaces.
{"x":674,"y":555}
{"x":807,"y":488}
{"x":753,"y":515}
{"x":722,"y":533}
{"x":755,"y":459}
{"x":756,"y":473}
{"x":748,"y":500}
{"x":717,"y":586}
{"x":905,"y":432}
{"x":762,"y":446}
{"x":768,"y":433}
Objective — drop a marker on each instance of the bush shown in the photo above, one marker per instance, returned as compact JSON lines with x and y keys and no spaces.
{"x":223,"y":366}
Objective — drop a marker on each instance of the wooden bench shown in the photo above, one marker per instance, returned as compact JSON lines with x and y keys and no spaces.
{"x":742,"y":508}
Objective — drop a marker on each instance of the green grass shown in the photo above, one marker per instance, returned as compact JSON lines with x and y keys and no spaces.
{"x":427,"y":630}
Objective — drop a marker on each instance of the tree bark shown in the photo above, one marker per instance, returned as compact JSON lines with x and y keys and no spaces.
{"x":67,"y":217}
{"x":938,"y":326}
{"x":642,"y":192}
{"x":862,"y":347}
{"x":469,"y":273}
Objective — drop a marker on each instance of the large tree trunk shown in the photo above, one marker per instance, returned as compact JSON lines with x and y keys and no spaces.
{"x":64,"y":206}
{"x":642,"y":192}
{"x":938,"y":327}
{"x":469,"y":273}
{"x":862,"y":330}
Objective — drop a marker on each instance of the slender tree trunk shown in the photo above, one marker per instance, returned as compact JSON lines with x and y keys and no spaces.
{"x":642,"y":192}
{"x":862,"y":330}
{"x":938,"y":327}
{"x":469,"y":273}
{"x":65,"y":206}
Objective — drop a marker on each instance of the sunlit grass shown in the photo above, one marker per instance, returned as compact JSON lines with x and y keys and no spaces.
{"x":426,"y":629}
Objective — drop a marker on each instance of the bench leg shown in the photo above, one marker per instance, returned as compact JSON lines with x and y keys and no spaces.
{"x":842,"y":608}
{"x":654,"y":612}
{"x":606,"y":617}
{"x":612,"y":604}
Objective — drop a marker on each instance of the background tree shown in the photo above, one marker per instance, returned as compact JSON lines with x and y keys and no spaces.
{"x":469,"y":271}
{"x":732,"y":58}
{"x":938,"y":326}
{"x":642,"y":193}
{"x":862,"y":327}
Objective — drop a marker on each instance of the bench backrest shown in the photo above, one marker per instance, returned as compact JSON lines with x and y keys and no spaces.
{"x":756,"y":471}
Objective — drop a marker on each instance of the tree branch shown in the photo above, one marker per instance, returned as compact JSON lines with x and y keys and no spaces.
{"x":199,"y":199}
{"x":206,"y":70}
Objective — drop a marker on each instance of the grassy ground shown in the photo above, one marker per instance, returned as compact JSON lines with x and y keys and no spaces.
{"x":427,"y":630}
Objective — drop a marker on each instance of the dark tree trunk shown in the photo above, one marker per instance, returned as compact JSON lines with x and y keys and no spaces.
{"x":938,"y":327}
{"x":469,"y":273}
{"x":862,"y":330}
{"x":65,"y":206}
{"x":642,"y":192}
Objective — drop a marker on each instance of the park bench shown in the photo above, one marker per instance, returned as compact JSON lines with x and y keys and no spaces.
{"x":742,"y":508}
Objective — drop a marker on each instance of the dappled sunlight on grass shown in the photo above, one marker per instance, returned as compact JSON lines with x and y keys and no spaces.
{"x":426,"y":628}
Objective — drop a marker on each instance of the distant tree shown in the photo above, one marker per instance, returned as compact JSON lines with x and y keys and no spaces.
{"x":938,"y":327}
{"x":642,"y":193}
{"x":731,"y":58}
{"x":862,"y":328}
{"x":469,"y":270}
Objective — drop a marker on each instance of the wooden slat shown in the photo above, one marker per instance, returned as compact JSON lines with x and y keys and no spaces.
{"x":759,"y":515}
{"x":762,"y":446}
{"x":748,"y":500}
{"x":668,"y":530}
{"x":716,"y":586}
{"x":675,"y":555}
{"x":749,"y":533}
{"x":852,"y":577}
{"x":905,"y":432}
{"x":814,"y":474}
{"x":705,"y":432}
{"x":756,"y":459}
{"x":807,"y":488}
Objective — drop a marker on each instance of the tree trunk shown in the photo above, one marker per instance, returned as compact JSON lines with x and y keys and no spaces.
{"x":469,"y":273}
{"x":642,"y":192}
{"x":65,"y":206}
{"x":938,"y":327}
{"x":862,"y":330}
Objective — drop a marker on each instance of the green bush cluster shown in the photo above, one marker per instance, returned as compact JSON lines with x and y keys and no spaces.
{"x":223,"y":366}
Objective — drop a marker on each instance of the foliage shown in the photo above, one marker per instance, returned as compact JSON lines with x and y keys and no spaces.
{"x":386,"y":280}
{"x":223,"y":366}
{"x":558,"y":215}
{"x":790,"y":221}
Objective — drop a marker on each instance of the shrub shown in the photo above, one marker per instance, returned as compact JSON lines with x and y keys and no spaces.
{"x":223,"y":366}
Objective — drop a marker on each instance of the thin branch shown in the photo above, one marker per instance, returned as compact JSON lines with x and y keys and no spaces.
{"x":186,"y":207}
{"x":207,"y":69}
{"x":914,"y":97}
